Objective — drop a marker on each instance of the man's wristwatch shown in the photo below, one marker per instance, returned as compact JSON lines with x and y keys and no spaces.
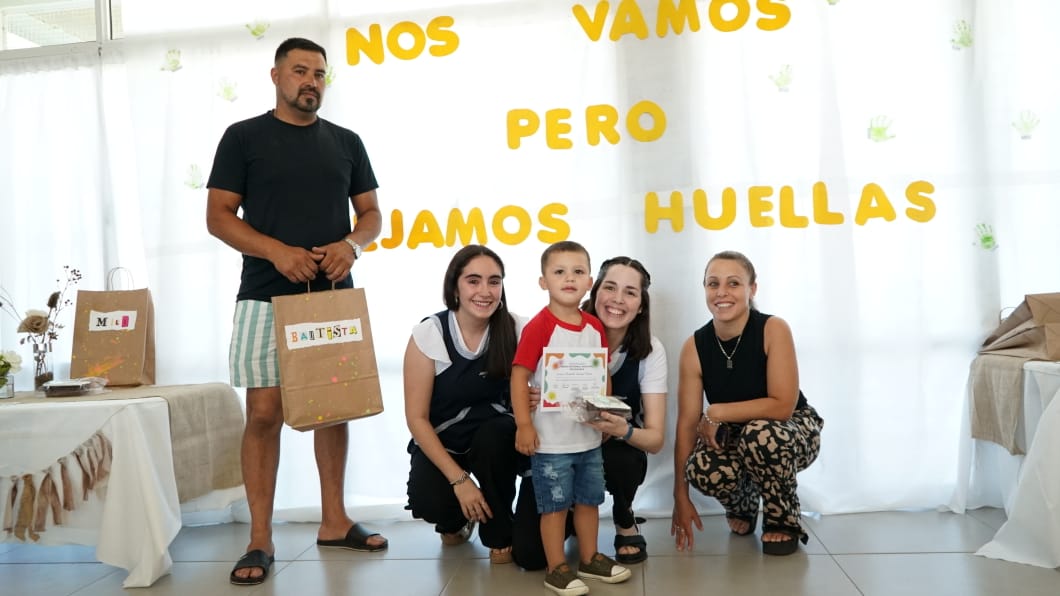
{"x":356,"y":248}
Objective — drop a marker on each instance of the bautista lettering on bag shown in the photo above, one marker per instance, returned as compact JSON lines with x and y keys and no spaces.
{"x":308,"y":335}
{"x":118,"y":320}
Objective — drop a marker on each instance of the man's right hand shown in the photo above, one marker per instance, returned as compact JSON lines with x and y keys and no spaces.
{"x":296,"y":264}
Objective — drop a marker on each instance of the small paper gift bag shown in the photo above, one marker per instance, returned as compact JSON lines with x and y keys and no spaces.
{"x":114,"y":336}
{"x":328,"y":372}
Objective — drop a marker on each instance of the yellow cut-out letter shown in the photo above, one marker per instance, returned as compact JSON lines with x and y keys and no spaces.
{"x":593,"y":27}
{"x":702,"y":211}
{"x":397,"y":231}
{"x":821,"y":214}
{"x":372,"y":46}
{"x":438,"y":30}
{"x":474,"y":224}
{"x":874,"y":203}
{"x":601,"y":119}
{"x":558,"y":230}
{"x":521,"y":123}
{"x":556,"y":125}
{"x":788,"y":217}
{"x":393,"y":40}
{"x":521,"y":217}
{"x":670,"y":17}
{"x":658,"y":121}
{"x":743,"y":14}
{"x":628,"y":19}
{"x":917,"y":194}
{"x":780,"y":13}
{"x":425,"y":228}
{"x":653,"y":212}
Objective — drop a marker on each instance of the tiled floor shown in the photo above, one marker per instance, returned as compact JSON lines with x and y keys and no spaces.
{"x":873,"y":554}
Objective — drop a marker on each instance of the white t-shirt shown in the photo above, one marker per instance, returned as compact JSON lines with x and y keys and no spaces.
{"x":427,"y":335}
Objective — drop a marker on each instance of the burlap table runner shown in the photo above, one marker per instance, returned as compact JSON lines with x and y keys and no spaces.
{"x":205,"y":426}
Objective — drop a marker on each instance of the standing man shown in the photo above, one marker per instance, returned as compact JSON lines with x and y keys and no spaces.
{"x":292,"y":174}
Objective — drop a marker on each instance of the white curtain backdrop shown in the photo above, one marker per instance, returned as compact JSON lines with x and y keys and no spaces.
{"x":103,"y":161}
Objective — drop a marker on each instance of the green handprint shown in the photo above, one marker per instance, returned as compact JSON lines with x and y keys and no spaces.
{"x":833,"y":2}
{"x":783,"y":78}
{"x":258,"y":28}
{"x":227,"y":90}
{"x":172,"y":61}
{"x":963,"y":32}
{"x":1026,"y":123}
{"x":878,"y":129}
{"x":194,"y":178}
{"x":985,"y":239}
{"x":329,"y":76}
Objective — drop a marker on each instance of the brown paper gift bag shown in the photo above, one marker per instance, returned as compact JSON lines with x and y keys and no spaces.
{"x":1031,"y":331}
{"x":114,"y":336}
{"x":328,"y":372}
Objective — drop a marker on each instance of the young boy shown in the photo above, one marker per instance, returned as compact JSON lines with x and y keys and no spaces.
{"x":567,"y":464}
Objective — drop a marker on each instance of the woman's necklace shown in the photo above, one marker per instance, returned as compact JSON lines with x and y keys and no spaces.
{"x":728,"y":357}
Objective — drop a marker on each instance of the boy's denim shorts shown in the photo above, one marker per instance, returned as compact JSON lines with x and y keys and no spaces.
{"x":565,"y":479}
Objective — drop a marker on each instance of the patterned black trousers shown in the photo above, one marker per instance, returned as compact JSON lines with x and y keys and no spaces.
{"x":759,"y":462}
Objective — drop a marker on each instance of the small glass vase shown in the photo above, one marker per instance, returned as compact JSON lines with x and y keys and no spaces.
{"x":42,"y":364}
{"x":7,"y":386}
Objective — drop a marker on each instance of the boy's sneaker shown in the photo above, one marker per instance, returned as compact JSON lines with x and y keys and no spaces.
{"x":605,"y":569}
{"x":563,"y":581}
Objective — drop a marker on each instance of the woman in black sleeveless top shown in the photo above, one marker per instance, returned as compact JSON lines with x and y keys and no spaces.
{"x":456,"y":370}
{"x":757,"y":430}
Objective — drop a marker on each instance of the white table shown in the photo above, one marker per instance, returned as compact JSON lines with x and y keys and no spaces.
{"x":133,"y":525}
{"x":987,"y":474}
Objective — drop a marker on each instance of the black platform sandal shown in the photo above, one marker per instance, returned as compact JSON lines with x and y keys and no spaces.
{"x":784,"y":547}
{"x":752,"y":522}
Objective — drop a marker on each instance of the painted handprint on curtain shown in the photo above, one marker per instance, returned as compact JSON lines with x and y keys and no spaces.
{"x":193,"y":179}
{"x":171,"y":62}
{"x":258,"y":28}
{"x":1026,"y":123}
{"x":227,"y":90}
{"x":962,"y":33}
{"x":783,"y":78}
{"x":879,"y":129}
{"x":984,"y":237}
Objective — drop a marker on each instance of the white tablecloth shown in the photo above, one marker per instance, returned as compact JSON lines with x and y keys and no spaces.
{"x":133,"y":525}
{"x":1028,"y":487}
{"x":1031,"y":535}
{"x":987,"y":474}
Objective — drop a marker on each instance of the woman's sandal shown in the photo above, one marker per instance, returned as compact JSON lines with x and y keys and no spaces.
{"x":783,"y":547}
{"x":460,"y":536}
{"x":500,"y":556}
{"x":751,"y":523}
{"x":636,"y":541}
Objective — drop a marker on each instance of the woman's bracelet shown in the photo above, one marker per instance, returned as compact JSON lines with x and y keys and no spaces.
{"x":629,"y":432}
{"x":708,"y":419}
{"x":462,"y":479}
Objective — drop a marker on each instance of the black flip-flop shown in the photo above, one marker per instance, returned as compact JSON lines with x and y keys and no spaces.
{"x":356,"y":539}
{"x":254,"y":559}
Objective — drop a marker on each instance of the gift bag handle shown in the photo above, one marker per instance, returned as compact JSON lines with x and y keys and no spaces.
{"x":118,"y":274}
{"x":309,"y":288}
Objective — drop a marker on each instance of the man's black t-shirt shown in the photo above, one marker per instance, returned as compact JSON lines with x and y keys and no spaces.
{"x":296,"y":183}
